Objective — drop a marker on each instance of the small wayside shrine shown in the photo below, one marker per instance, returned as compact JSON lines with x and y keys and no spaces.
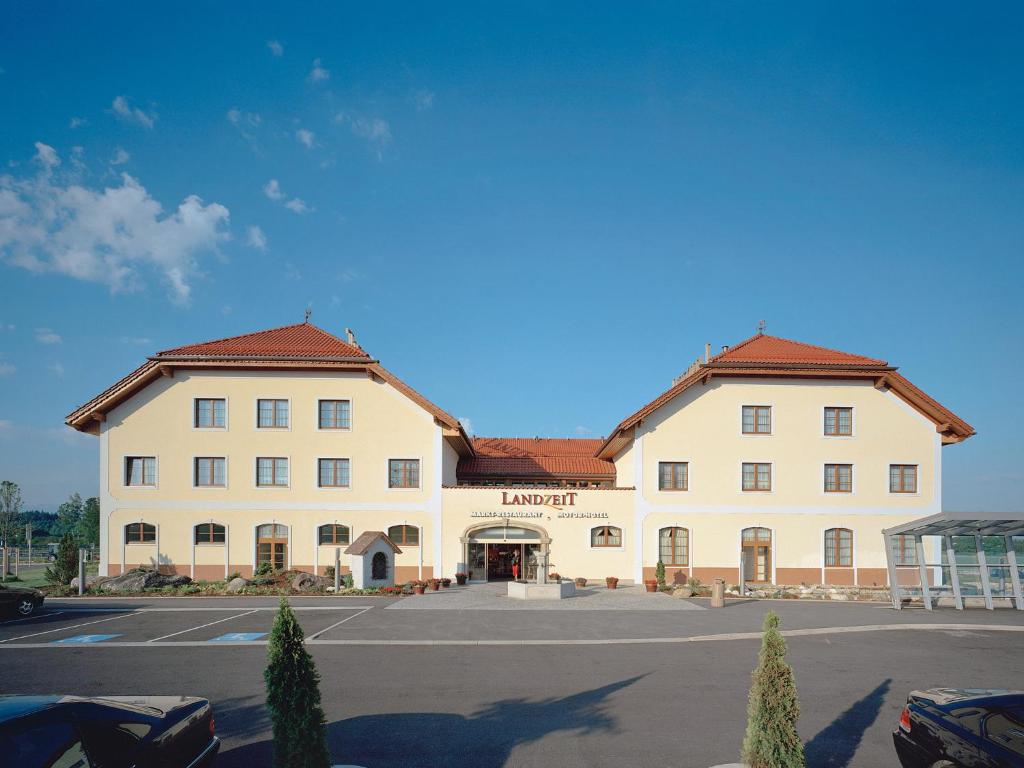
{"x":372,"y":560}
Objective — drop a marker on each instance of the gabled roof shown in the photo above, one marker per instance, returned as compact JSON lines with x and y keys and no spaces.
{"x":302,"y":346}
{"x":775,"y":357}
{"x":366,"y":540}
{"x":763,"y":349}
{"x":302,"y":340}
{"x":534,"y":457}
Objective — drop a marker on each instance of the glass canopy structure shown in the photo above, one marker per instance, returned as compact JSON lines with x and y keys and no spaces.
{"x":959,"y":554}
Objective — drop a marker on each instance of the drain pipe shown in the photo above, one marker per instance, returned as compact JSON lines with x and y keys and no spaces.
{"x":420,"y":529}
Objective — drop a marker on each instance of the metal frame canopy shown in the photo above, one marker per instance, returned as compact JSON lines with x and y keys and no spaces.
{"x":946,"y":525}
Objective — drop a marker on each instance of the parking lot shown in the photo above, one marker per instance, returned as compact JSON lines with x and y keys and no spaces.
{"x":520,"y":687}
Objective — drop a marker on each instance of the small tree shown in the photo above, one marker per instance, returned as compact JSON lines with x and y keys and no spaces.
{"x":65,"y":567}
{"x":293,"y":697}
{"x":88,"y":528}
{"x":10,"y":510}
{"x":772,"y":710}
{"x":659,"y":573}
{"x":69,"y":514}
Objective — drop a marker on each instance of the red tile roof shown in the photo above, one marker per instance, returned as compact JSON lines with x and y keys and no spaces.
{"x":301,"y":340}
{"x":765,"y":349}
{"x":534,"y":457}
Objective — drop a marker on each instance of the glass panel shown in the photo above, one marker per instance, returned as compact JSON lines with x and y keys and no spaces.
{"x":994,"y":548}
{"x":999,"y":581}
{"x":764,"y":475}
{"x":970,"y":579}
{"x":748,"y":476}
{"x":477,"y":560}
{"x":830,"y":421}
{"x":266,"y":413}
{"x":281,"y":414}
{"x":748,"y":419}
{"x":764,"y":420}
{"x":265,"y":472}
{"x":614,"y":537}
{"x":845,"y":421}
{"x":281,"y":471}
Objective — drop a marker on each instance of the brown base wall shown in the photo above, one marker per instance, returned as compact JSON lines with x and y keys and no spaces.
{"x":707,"y":575}
{"x":841,"y":577}
{"x":404,"y":573}
{"x":797,"y":575}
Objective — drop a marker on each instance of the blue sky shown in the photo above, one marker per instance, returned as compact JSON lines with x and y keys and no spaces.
{"x":536,"y":216}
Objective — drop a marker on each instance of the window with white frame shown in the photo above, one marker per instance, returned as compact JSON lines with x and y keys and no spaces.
{"x":335,"y":414}
{"x":757,"y":419}
{"x":902,"y":478}
{"x":838,"y":548}
{"x":838,"y":421}
{"x":674,"y":546}
{"x":606,"y":536}
{"x":139,"y":533}
{"x":333,"y":473}
{"x":757,"y":476}
{"x":404,"y":473}
{"x":838,"y":478}
{"x":333,"y":533}
{"x":673,"y":475}
{"x":210,"y":533}
{"x":210,"y":413}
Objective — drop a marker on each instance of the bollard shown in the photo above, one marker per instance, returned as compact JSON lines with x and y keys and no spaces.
{"x":81,"y":572}
{"x":17,"y":562}
{"x":718,"y":593}
{"x":337,"y":569}
{"x":3,"y":565}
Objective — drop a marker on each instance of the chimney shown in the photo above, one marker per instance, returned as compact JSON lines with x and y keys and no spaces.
{"x":351,"y":337}
{"x":725,"y":347}
{"x":707,"y":352}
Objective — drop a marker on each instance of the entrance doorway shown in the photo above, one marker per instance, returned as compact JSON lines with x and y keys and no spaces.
{"x":757,"y":555}
{"x":272,"y":546}
{"x":492,"y":553}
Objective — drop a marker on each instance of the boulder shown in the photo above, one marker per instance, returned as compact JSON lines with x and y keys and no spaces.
{"x":90,"y":581}
{"x":682,"y":592}
{"x":303,"y":581}
{"x":139,"y":579}
{"x":237,"y":584}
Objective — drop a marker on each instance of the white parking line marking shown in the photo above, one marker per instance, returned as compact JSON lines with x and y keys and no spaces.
{"x":73,"y":626}
{"x":193,"y":629}
{"x":225,"y":609}
{"x":30,"y":618}
{"x":315,"y":635}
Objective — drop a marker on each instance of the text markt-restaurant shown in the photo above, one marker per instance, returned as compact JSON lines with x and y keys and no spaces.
{"x":774,"y":458}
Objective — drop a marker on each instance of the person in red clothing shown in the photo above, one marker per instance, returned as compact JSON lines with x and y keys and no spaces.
{"x":515,"y":566}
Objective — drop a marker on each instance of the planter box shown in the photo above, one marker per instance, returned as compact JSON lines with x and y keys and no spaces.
{"x":551,"y":591}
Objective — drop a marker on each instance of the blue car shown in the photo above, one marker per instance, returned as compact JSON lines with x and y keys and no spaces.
{"x":961,"y":728}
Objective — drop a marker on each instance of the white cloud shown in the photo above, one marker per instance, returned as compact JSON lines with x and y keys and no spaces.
{"x":305,"y":137}
{"x":238,"y":117}
{"x":129,"y":114}
{"x":47,"y":336}
{"x":46,"y":155}
{"x":318,"y":74}
{"x":120,"y":157}
{"x":255,"y":238}
{"x":297,"y":205}
{"x":467,"y":424}
{"x":275,"y":48}
{"x":584,"y":431}
{"x":375,"y":130}
{"x":273,"y":190}
{"x":6,"y":369}
{"x":76,"y":122}
{"x":56,"y":369}
{"x":112,"y":235}
{"x":136,"y":341}
{"x":423,"y":99}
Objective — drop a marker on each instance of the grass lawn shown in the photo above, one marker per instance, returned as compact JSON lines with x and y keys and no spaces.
{"x":35,"y":576}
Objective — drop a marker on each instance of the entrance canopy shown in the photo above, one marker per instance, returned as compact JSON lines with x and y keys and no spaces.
{"x":982,"y":553}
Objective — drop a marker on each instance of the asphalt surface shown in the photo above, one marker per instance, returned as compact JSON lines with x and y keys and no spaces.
{"x":632,"y":703}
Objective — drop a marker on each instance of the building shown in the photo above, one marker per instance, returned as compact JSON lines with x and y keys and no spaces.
{"x":779,"y":459}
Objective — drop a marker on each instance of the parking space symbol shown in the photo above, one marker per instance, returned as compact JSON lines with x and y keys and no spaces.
{"x":82,"y":639}
{"x":234,"y":637}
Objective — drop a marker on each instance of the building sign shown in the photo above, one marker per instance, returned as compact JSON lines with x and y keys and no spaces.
{"x":519,"y":515}
{"x":555,"y":500}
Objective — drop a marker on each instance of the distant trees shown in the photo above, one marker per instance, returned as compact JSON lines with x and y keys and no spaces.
{"x":10,"y":511}
{"x":89,"y":523}
{"x":69,"y":515}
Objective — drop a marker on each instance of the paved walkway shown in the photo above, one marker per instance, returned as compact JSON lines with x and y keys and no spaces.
{"x":493,"y":597}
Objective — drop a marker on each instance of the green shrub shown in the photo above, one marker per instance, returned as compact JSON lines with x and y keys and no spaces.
{"x":349,"y":581}
{"x":771,"y":740}
{"x":235,"y":575}
{"x":65,"y":566}
{"x":263,"y":569}
{"x":329,"y":572}
{"x":659,"y":573}
{"x":693,"y":582}
{"x":293,"y":697}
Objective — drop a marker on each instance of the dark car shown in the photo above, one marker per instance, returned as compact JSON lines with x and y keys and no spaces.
{"x":107,"y":732}
{"x":21,"y":600}
{"x":961,"y":728}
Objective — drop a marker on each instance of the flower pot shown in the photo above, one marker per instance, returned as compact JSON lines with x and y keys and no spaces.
{"x":651,"y":585}
{"x":460,"y":579}
{"x":612,"y":582}
{"x":418,"y":589}
{"x":446,"y":583}
{"x":433,"y":584}
{"x":581,"y":582}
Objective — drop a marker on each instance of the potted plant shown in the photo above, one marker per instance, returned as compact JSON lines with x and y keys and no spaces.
{"x":460,"y":578}
{"x":433,"y":584}
{"x":612,"y":582}
{"x":418,"y":587}
{"x":580,"y":581}
{"x":659,"y":573}
{"x":651,"y":585}
{"x":555,"y":577}
{"x":446,"y":583}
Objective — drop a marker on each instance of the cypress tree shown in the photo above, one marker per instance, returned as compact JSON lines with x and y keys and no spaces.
{"x":771,"y":740}
{"x":293,"y":697}
{"x":65,"y":566}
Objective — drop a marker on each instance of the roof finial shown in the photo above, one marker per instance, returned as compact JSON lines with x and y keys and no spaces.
{"x":309,"y":313}
{"x":760,"y":327}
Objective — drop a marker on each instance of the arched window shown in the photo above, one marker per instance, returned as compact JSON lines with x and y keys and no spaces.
{"x":139,"y":533}
{"x":674,"y":546}
{"x":404,"y":535}
{"x":210,"y":533}
{"x":838,"y":548}
{"x":606,"y":536}
{"x":333,"y":533}
{"x":379,"y":567}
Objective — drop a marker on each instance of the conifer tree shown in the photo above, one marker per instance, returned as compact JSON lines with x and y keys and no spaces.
{"x":65,"y":565}
{"x":771,"y":740}
{"x":293,"y":697}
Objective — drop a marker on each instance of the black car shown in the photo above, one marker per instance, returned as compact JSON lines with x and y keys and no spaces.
{"x":21,"y":600}
{"x":961,"y":728}
{"x":107,"y":732}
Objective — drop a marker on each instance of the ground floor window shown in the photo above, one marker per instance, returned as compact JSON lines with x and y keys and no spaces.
{"x":139,"y":533}
{"x":606,"y":536}
{"x":839,"y":548}
{"x":210,"y":533}
{"x":674,"y":546}
{"x":404,"y":535}
{"x":333,"y":533}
